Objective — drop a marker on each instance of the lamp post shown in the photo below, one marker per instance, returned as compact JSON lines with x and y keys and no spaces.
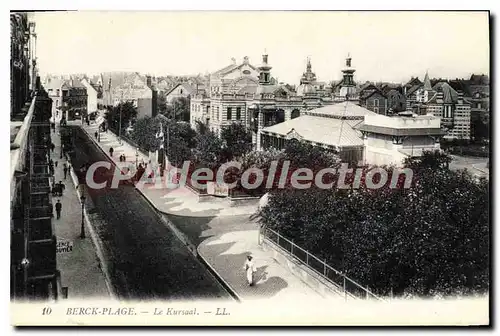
{"x":82,"y":228}
{"x":137,"y":158}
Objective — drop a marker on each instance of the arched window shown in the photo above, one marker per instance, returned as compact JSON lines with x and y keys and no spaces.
{"x":295,"y":114}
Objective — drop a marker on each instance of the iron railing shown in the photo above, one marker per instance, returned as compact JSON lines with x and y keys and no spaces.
{"x":349,"y":288}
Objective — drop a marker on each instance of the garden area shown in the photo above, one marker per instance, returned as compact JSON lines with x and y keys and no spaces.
{"x":429,"y":239}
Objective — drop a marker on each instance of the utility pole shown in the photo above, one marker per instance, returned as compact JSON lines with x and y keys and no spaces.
{"x":120,"y":127}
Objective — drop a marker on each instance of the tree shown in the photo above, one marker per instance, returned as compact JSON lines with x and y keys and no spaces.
{"x":237,"y":140}
{"x":208,"y":150}
{"x":179,"y":138}
{"x":201,"y":127}
{"x":303,"y":155}
{"x":432,"y":238}
{"x":429,"y":160}
{"x":178,"y":109}
{"x":128,"y":113}
{"x":162,"y":102}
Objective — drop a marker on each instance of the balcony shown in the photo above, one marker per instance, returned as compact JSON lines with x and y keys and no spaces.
{"x":40,"y":230}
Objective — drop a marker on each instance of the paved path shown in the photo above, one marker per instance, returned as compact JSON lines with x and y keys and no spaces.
{"x":224,"y":237}
{"x":476,"y":165}
{"x":80,"y":270}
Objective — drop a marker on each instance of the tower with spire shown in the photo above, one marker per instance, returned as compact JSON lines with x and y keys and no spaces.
{"x":264,"y":71}
{"x":306,"y":87}
{"x":348,"y":85}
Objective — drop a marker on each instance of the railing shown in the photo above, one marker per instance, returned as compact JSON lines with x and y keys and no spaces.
{"x":343,"y":284}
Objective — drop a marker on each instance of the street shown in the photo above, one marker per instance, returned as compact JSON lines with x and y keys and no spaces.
{"x":147,"y":261}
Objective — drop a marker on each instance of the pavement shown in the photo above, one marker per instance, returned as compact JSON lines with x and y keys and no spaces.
{"x":475,"y":165}
{"x":80,"y":268}
{"x":224,"y":235}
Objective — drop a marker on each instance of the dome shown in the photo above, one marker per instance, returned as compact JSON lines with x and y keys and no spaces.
{"x":305,"y":90}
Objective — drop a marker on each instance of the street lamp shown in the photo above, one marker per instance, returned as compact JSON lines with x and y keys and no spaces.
{"x":137,"y":158}
{"x":82,"y":229}
{"x":25,"y":263}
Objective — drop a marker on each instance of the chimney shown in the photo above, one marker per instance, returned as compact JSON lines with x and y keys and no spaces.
{"x":233,"y":60}
{"x":149,"y":82}
{"x":245,"y":60}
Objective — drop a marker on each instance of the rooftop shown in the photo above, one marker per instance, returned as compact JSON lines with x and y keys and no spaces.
{"x":325,"y":131}
{"x":346,"y":109}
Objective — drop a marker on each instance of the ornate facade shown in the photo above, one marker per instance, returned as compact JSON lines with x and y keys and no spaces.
{"x":250,"y":95}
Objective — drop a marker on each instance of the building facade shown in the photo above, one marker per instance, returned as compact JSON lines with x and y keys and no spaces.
{"x":183,"y":90}
{"x":33,"y":265}
{"x":92,"y":95}
{"x":53,"y":85}
{"x":74,"y":99}
{"x":441,"y":100}
{"x":249,"y":94}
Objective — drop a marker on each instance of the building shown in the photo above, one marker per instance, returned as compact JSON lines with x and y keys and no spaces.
{"x":409,"y":90}
{"x":453,"y":109}
{"x":359,"y":135}
{"x":183,"y":90}
{"x":373,"y":99}
{"x":125,"y":86}
{"x":249,"y":94}
{"x":53,"y":85}
{"x":442,"y":100}
{"x":390,"y":140}
{"x":74,"y":99}
{"x":92,"y":94}
{"x":396,"y":101}
{"x":33,"y":266}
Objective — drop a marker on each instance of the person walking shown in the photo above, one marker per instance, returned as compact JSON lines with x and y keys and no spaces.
{"x":65,"y":170}
{"x":55,"y":163}
{"x":61,"y":188}
{"x":249,"y":269}
{"x":58,"y":209}
{"x":111,"y":150}
{"x":96,"y":134}
{"x":52,"y":147}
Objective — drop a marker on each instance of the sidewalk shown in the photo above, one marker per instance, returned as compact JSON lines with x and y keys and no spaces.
{"x":227,"y":237}
{"x":79,"y":268}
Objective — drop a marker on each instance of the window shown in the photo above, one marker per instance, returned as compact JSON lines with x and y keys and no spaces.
{"x":217,"y":112}
{"x":57,"y":92}
{"x":57,"y":102}
{"x":375,"y":102}
{"x":181,"y":91}
{"x":375,"y":109}
{"x":478,"y":105}
{"x":229,"y":113}
{"x":238,"y":113}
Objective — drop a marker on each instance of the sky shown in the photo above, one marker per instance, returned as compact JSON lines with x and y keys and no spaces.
{"x":384,"y":46}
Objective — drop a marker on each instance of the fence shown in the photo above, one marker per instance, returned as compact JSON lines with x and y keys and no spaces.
{"x":348,"y":287}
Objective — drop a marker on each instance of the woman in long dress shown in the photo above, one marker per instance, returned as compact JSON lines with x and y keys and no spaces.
{"x":250,"y":269}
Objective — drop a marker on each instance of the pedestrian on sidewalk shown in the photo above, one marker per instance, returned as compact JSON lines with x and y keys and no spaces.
{"x":61,"y":188}
{"x":55,"y":163}
{"x":96,"y":134}
{"x":250,"y":270}
{"x":65,"y":170}
{"x":111,"y":150}
{"x":58,"y":209}
{"x":52,"y":147}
